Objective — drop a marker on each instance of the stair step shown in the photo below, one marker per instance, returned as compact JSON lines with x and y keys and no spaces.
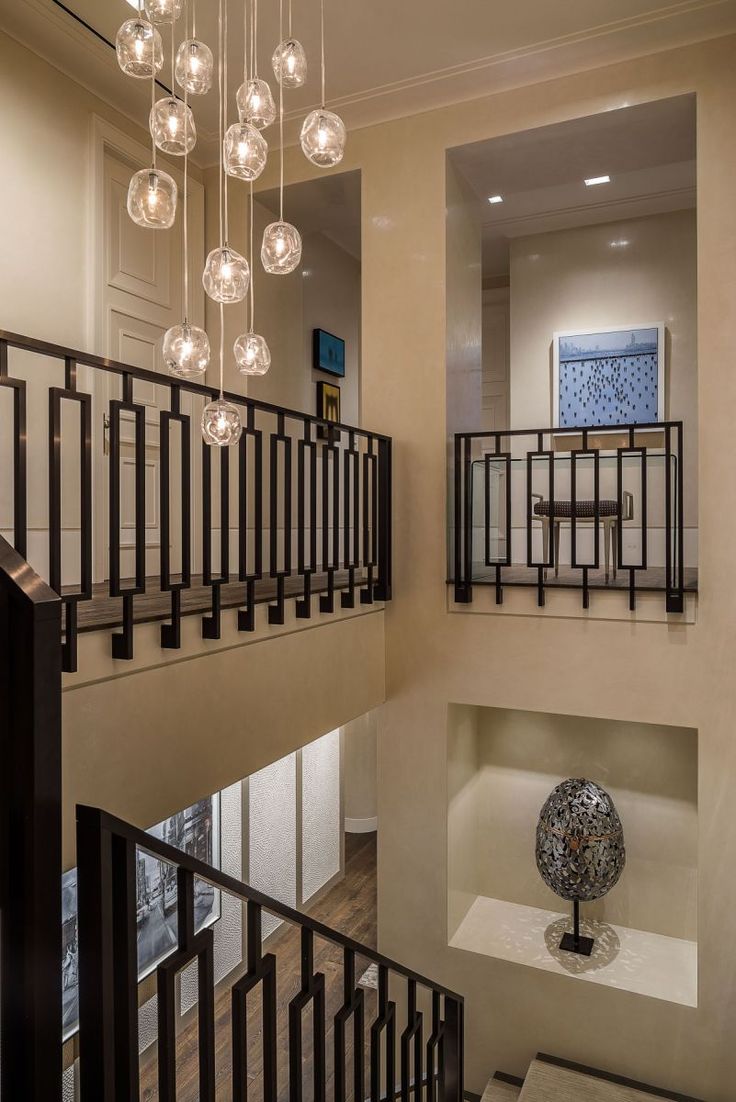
{"x":501,"y":1090}
{"x":547,"y":1081}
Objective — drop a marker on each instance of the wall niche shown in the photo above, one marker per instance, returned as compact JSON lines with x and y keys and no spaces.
{"x":502,"y":765}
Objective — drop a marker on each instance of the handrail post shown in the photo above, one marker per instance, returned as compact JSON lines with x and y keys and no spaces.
{"x":452,"y":1085}
{"x":30,"y":945}
{"x":382,"y":590}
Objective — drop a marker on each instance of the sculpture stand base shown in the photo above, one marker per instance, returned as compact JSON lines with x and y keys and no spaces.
{"x":581,"y":945}
{"x":575,"y":942}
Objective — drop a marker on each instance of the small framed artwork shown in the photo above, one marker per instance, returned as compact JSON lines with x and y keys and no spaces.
{"x":328,"y":353}
{"x":609,"y":377}
{"x":328,"y":405}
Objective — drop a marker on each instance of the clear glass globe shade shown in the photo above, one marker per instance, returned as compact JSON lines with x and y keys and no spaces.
{"x":163,"y":11}
{"x":139,"y":48}
{"x":152,"y":199}
{"x":255,"y":103}
{"x":195,"y":67}
{"x":186,"y":350}
{"x":252,"y":354}
{"x":172,"y":126}
{"x":281,"y":250}
{"x":289,"y":63}
{"x":244,"y":151}
{"x":323,"y":138}
{"x":221,"y":425}
{"x":226,"y":275}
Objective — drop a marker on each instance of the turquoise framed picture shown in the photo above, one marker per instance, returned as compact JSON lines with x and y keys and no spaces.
{"x":328,"y":353}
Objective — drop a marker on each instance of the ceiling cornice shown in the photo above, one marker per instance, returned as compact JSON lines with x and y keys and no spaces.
{"x":682,"y":197}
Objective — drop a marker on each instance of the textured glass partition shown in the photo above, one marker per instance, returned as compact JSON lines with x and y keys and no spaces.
{"x":321,"y":825}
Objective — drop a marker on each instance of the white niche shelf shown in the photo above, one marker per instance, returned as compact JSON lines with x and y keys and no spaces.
{"x":631,"y":960}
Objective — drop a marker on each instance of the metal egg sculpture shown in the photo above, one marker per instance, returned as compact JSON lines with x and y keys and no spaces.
{"x":580,"y":841}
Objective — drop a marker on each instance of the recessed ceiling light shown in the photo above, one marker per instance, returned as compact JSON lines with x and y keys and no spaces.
{"x":495,"y":198}
{"x":597,"y":180}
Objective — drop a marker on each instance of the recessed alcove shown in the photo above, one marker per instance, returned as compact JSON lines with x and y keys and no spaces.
{"x":502,"y":765}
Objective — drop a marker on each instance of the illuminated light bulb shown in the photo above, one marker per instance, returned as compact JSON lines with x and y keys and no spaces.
{"x":244,"y":151}
{"x":252,"y":354}
{"x":194,"y":67}
{"x":139,"y":49}
{"x":281,"y":250}
{"x":221,"y":425}
{"x":255,"y":103}
{"x":172,"y":126}
{"x":289,"y":63}
{"x":226,"y":275}
{"x":152,"y":198}
{"x":186,"y":350}
{"x":323,"y":138}
{"x":163,"y":11}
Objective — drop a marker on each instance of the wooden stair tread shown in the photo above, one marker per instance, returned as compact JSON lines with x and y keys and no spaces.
{"x":497,"y":1090}
{"x":547,"y":1082}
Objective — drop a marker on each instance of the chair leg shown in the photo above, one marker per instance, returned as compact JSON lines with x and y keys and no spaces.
{"x":557,"y":548}
{"x":607,"y":546}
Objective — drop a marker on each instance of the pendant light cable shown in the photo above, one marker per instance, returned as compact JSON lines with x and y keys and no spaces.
{"x":186,"y":193}
{"x":224,"y":122}
{"x":222,"y":136}
{"x":281,"y":114}
{"x":222,"y":351}
{"x":252,"y":326}
{"x":254,"y":40}
{"x":153,"y":99}
{"x":194,"y":19}
{"x":322,"y":36}
{"x":289,"y":19}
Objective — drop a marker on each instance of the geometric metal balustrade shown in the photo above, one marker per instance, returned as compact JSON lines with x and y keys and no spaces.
{"x":425,"y":1059}
{"x":518,"y":492}
{"x":299,"y":510}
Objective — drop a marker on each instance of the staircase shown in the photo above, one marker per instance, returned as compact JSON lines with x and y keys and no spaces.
{"x":553,"y":1080}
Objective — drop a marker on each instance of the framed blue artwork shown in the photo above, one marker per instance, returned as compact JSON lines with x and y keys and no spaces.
{"x":608,"y":376}
{"x":328,"y":353}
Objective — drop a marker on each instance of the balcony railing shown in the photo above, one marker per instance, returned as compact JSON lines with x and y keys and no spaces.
{"x":129,"y":516}
{"x":532,"y":508}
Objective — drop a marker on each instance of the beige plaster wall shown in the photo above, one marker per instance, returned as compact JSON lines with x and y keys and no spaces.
{"x":360,"y":763}
{"x":651,"y":773}
{"x":667,"y":674}
{"x":574,"y":279}
{"x":464,"y":305}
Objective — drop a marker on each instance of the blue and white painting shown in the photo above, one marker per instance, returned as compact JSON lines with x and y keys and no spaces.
{"x":612,"y":377}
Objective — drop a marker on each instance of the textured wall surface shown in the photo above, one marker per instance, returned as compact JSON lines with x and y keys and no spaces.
{"x":272,"y":833}
{"x":321,"y":826}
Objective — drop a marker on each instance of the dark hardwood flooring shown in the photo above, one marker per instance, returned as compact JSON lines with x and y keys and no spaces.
{"x":349,"y":907}
{"x":103,"y":611}
{"x":652,"y":579}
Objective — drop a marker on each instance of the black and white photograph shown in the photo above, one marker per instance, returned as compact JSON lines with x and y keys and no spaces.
{"x":195,"y":831}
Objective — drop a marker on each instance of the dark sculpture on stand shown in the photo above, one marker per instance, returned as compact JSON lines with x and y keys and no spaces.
{"x":580,"y":849}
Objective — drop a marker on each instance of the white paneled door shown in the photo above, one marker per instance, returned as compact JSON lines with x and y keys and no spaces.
{"x":137,"y":294}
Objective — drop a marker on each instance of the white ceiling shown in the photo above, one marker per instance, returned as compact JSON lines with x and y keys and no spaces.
{"x":647,"y":150}
{"x":329,"y":205}
{"x":385,"y":59}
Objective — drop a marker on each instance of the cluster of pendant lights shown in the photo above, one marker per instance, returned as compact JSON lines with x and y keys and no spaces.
{"x":228,"y":277}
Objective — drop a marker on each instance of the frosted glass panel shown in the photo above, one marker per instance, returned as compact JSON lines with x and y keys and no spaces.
{"x":272,"y":833}
{"x":320,"y":813}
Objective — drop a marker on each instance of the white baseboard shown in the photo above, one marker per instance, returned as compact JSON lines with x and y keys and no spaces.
{"x":361,"y":826}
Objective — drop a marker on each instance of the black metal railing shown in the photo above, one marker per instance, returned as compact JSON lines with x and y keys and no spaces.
{"x":516,"y":492}
{"x":416,"y":1063}
{"x":300,"y":509}
{"x":30,"y":833}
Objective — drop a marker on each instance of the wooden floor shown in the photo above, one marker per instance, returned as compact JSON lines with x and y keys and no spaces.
{"x":653,"y":579}
{"x":349,"y":907}
{"x":103,"y":611}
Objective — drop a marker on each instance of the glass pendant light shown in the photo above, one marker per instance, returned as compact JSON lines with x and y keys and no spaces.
{"x":152,"y":199}
{"x":186,"y":348}
{"x":172,"y":126}
{"x":323,"y":138}
{"x":139,"y":48}
{"x":255,"y":103}
{"x":252,"y":353}
{"x":323,"y":133}
{"x":281,"y":249}
{"x":226,"y":275}
{"x":194,"y":67}
{"x":221,"y":424}
{"x":163,"y":11}
{"x":245,"y":151}
{"x":289,"y":63}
